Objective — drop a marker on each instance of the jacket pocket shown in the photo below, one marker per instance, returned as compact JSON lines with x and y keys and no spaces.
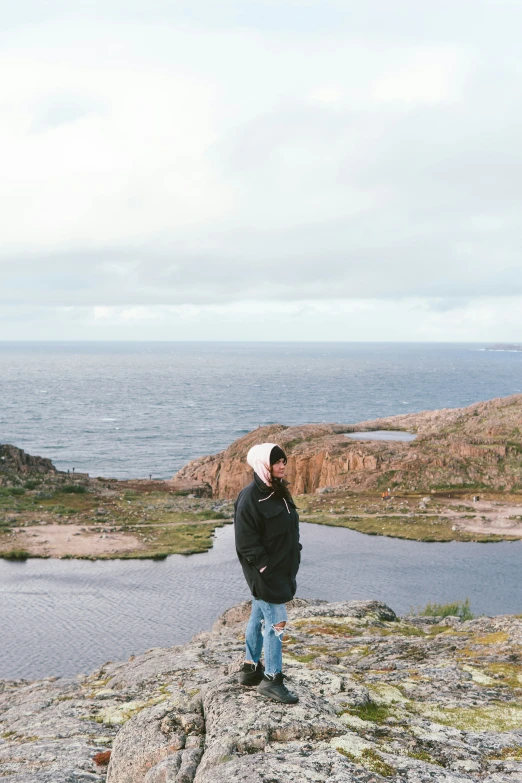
{"x":277,"y":519}
{"x":277,"y":526}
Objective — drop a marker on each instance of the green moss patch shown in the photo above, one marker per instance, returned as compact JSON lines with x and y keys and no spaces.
{"x":347,"y":754}
{"x":375,"y":713}
{"x":423,"y":755}
{"x":400,"y":629}
{"x":326,"y":626}
{"x":375,"y":762}
{"x":500,"y":716}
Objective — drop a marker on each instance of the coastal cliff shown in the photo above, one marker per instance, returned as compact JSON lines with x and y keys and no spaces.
{"x":475,"y":447}
{"x":382,"y":698}
{"x":16,"y":461}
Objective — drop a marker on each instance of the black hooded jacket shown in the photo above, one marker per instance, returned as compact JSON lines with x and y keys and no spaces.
{"x":267,"y":534}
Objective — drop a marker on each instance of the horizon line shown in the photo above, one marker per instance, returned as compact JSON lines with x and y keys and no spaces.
{"x":267,"y":342}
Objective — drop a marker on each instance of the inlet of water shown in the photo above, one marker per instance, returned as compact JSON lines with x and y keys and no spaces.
{"x":382,"y":435}
{"x":62,"y":617}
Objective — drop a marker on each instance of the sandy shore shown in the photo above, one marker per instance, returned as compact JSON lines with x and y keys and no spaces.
{"x":495,"y":518}
{"x":74,"y":540}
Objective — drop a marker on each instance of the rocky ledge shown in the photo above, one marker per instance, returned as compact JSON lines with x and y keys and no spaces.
{"x":16,"y":461}
{"x":381,"y":698}
{"x":477,"y":448}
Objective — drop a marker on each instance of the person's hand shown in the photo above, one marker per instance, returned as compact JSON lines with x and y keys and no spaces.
{"x":262,"y":569}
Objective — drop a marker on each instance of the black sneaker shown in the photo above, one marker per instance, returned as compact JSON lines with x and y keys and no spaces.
{"x":251,"y":674}
{"x":275,"y":689}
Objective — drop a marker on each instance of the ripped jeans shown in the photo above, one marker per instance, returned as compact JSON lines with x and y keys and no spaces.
{"x":260,"y":629}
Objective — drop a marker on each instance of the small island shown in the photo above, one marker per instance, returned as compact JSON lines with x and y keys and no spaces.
{"x":504,"y":347}
{"x":459,"y":479}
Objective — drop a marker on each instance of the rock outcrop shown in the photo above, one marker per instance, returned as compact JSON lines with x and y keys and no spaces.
{"x":479,"y":447}
{"x":381,"y":698}
{"x":17,"y":461}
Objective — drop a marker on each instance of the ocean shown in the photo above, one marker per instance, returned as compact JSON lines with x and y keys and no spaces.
{"x":127,"y":410}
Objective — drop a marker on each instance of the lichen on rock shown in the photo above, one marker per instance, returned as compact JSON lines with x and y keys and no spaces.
{"x":376,"y":704}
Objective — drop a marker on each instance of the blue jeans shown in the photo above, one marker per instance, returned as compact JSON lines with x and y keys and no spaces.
{"x":261,"y":629}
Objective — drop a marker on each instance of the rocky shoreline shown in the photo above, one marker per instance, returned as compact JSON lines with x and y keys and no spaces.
{"x":381,"y":699}
{"x":459,"y":480}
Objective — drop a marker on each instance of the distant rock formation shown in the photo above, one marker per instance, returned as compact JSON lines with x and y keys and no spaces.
{"x":15,"y":460}
{"x":478,"y":446}
{"x":412,"y":700}
{"x":504,"y":347}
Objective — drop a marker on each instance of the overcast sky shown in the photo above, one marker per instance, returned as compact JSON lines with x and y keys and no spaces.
{"x":261,"y":169}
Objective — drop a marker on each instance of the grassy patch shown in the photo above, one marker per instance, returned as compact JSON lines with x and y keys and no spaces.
{"x":74,"y":489}
{"x":492,"y":638}
{"x":32,"y":484}
{"x":303,"y":658}
{"x":376,"y":713}
{"x":400,"y":629}
{"x":347,"y":755}
{"x":453,"y":609}
{"x":373,"y":761}
{"x":72,"y":502}
{"x":369,"y":758}
{"x":15,"y":554}
{"x":499,"y":716}
{"x":508,"y":674}
{"x":326,"y":627}
{"x":173,"y":539}
{"x":421,"y":528}
{"x":423,"y":755}
{"x":163,"y":517}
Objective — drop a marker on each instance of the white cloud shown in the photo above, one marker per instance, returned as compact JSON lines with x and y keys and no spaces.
{"x":228,"y":158}
{"x":484,"y":319}
{"x":427,"y":76}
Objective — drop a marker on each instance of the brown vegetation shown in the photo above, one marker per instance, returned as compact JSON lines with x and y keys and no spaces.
{"x":102,"y":759}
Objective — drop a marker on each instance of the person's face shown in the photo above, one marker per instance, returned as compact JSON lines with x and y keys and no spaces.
{"x":278,"y":469}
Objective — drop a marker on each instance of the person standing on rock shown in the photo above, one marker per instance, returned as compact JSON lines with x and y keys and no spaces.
{"x":266,"y":526}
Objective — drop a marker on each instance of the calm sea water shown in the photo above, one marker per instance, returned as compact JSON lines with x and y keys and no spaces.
{"x":127,"y":410}
{"x":66,"y":616}
{"x":130,"y":409}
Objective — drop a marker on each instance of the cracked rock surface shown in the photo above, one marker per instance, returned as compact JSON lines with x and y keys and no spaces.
{"x":381,"y":698}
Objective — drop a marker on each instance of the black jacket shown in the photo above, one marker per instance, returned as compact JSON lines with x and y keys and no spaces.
{"x":267,"y":534}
